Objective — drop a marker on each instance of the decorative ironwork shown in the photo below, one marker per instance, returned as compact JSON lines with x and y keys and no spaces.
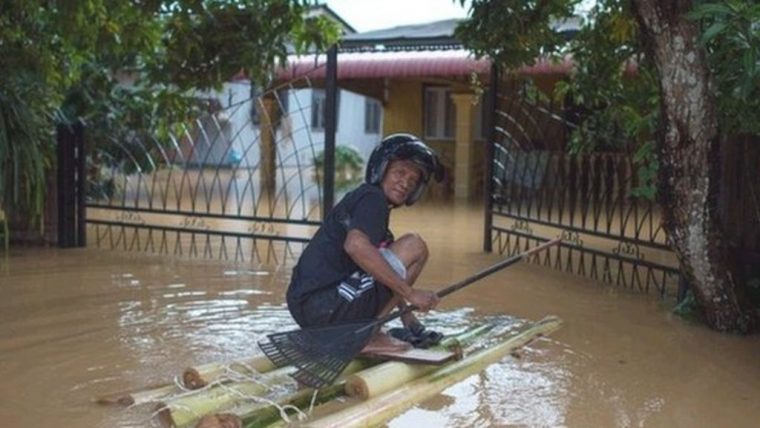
{"x":628,"y":249}
{"x":523,"y":226}
{"x":128,"y":217}
{"x":236,"y":183}
{"x":538,"y":191}
{"x":572,"y":237}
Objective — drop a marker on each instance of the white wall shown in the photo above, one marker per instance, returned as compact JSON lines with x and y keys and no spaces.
{"x":350,"y":131}
{"x":297,"y":142}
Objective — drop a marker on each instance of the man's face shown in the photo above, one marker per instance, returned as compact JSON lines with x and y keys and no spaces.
{"x":400,"y":180}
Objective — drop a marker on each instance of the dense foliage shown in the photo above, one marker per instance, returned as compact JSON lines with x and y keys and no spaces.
{"x":68,"y":60}
{"x":613,"y":80}
{"x":731,"y":35}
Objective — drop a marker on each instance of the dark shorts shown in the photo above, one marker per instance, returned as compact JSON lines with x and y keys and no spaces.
{"x":357,"y":298}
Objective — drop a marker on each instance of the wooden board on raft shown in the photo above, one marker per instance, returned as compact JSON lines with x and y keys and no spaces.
{"x":414,"y":356}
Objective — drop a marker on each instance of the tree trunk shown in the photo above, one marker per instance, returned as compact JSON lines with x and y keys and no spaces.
{"x":688,"y":141}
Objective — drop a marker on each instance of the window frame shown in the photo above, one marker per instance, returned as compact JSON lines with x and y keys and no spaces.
{"x":372,"y":116}
{"x":317,"y":119}
{"x":444,"y":114}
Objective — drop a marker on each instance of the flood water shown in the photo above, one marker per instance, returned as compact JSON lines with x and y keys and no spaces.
{"x":77,"y":324}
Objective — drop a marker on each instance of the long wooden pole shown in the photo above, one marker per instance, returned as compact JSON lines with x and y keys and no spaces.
{"x":465,"y":282}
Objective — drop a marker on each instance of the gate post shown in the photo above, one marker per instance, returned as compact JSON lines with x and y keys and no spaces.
{"x":489,"y":153}
{"x":331,"y":94}
{"x":269,"y":113}
{"x":71,"y":186}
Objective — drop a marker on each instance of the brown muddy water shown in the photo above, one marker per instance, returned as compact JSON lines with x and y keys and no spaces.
{"x":77,"y":324}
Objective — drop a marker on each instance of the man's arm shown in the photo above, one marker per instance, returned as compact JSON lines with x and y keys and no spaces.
{"x":360,"y":249}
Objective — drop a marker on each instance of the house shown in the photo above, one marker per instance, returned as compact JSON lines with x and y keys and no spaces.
{"x":413,"y":78}
{"x":291,"y":117}
{"x":428,"y":84}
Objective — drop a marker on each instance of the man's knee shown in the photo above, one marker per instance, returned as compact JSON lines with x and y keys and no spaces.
{"x":418,"y":244}
{"x":410,"y":248}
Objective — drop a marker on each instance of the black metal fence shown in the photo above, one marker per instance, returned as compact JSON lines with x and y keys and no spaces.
{"x":239,"y":182}
{"x":538,"y":191}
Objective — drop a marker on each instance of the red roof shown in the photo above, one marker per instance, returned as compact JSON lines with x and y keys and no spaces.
{"x":440,"y":63}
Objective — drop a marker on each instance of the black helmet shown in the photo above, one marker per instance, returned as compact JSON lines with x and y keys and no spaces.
{"x":404,"y":147}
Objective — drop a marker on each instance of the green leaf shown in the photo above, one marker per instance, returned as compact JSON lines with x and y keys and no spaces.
{"x":713,"y":31}
{"x":708,"y":10}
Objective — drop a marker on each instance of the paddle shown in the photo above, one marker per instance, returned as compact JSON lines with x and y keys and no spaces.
{"x":321,"y":353}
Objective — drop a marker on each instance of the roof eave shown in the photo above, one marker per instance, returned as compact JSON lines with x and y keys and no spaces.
{"x":400,"y":43}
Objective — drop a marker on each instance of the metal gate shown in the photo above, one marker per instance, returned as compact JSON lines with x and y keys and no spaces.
{"x":538,"y":191}
{"x":240,"y":182}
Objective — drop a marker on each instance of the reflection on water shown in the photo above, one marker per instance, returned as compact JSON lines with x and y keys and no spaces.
{"x":80,"y":323}
{"x":526,"y":393}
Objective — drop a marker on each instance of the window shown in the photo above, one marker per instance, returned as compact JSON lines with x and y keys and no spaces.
{"x":318,"y":109}
{"x":372,"y":111}
{"x":255,"y":95}
{"x":283,"y":98}
{"x":440,"y":113}
{"x":318,"y":99}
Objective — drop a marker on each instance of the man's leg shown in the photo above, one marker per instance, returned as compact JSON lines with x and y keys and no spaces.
{"x":411,"y":251}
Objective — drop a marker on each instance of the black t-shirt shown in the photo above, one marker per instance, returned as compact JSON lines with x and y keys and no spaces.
{"x":324,"y":262}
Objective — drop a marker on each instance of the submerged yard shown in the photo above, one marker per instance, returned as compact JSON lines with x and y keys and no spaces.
{"x":77,"y":324}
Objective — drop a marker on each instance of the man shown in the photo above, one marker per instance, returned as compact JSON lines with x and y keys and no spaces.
{"x":353,"y":270}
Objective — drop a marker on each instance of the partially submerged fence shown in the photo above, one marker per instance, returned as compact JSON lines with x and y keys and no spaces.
{"x":537,"y":191}
{"x":609,"y":235}
{"x":239,"y":182}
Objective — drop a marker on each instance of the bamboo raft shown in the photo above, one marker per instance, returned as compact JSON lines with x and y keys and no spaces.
{"x":254,"y":393}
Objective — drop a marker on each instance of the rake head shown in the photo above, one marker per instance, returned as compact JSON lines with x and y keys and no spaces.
{"x":320,"y":354}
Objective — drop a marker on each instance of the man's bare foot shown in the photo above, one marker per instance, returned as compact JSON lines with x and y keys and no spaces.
{"x":410,"y":321}
{"x":381,"y":342}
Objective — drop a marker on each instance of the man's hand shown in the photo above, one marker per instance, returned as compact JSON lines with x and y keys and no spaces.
{"x":424,"y":300}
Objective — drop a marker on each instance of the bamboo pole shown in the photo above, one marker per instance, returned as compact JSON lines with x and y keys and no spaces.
{"x":376,"y":411}
{"x":254,"y":414}
{"x":192,"y":378}
{"x":185,"y":410}
{"x":200,"y":376}
{"x":460,"y":341}
{"x":129,"y":398}
{"x":391,"y":374}
{"x":188,"y":409}
{"x":221,"y":420}
{"x":262,"y":416}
